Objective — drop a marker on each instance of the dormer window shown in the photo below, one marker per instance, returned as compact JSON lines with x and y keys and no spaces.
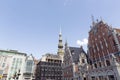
{"x":72,"y":51}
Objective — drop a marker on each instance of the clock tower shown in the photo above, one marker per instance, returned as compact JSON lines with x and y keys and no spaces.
{"x":60,"y":47}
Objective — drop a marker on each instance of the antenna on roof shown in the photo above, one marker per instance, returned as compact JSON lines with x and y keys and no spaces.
{"x":60,"y":30}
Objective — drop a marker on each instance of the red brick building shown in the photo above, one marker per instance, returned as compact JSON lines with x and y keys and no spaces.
{"x":104,"y":50}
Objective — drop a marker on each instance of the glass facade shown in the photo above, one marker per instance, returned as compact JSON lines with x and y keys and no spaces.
{"x":29,"y":66}
{"x":1,"y":72}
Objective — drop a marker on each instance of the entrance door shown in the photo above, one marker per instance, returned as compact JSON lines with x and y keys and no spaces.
{"x":111,"y":77}
{"x":84,"y":78}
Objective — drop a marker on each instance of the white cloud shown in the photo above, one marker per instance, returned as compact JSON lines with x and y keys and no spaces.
{"x":82,"y":42}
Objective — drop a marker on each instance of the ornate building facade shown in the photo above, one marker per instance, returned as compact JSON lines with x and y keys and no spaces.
{"x":72,"y":62}
{"x":83,"y":66}
{"x":50,"y":65}
{"x":104,"y":52}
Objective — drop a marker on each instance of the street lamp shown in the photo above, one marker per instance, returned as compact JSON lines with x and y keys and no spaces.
{"x":16,"y":76}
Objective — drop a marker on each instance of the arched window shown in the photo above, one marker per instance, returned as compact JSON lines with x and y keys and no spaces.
{"x":95,"y":65}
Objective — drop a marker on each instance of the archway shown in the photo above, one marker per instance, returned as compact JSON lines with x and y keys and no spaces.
{"x":111,"y":75}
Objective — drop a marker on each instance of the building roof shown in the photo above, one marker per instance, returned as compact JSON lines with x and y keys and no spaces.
{"x":75,"y":52}
{"x":95,"y":25}
{"x":13,"y":52}
{"x":52,"y":55}
{"x":36,"y":61}
{"x":117,"y":30}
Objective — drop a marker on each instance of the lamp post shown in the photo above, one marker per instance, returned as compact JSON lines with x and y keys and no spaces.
{"x":16,"y":76}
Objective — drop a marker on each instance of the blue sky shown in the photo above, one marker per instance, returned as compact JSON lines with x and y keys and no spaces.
{"x":32,"y":26}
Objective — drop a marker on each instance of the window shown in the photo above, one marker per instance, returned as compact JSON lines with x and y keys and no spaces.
{"x":29,"y":65}
{"x":72,"y":51}
{"x":105,"y":42}
{"x":99,"y":36}
{"x":101,"y":45}
{"x":1,"y":72}
{"x":111,"y":77}
{"x":83,"y":61}
{"x":93,"y":78}
{"x":95,"y":38}
{"x":107,"y":62}
{"x":20,"y":61}
{"x":107,"y":51}
{"x":103,"y":33}
{"x":5,"y":59}
{"x":95,"y":65}
{"x":3,"y":65}
{"x":97,"y":47}
{"x":95,"y":30}
{"x":14,"y":60}
{"x":94,"y":49}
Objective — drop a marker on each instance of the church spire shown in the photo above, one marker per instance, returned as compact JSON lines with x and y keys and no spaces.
{"x":60,"y":32}
{"x":60,"y":46}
